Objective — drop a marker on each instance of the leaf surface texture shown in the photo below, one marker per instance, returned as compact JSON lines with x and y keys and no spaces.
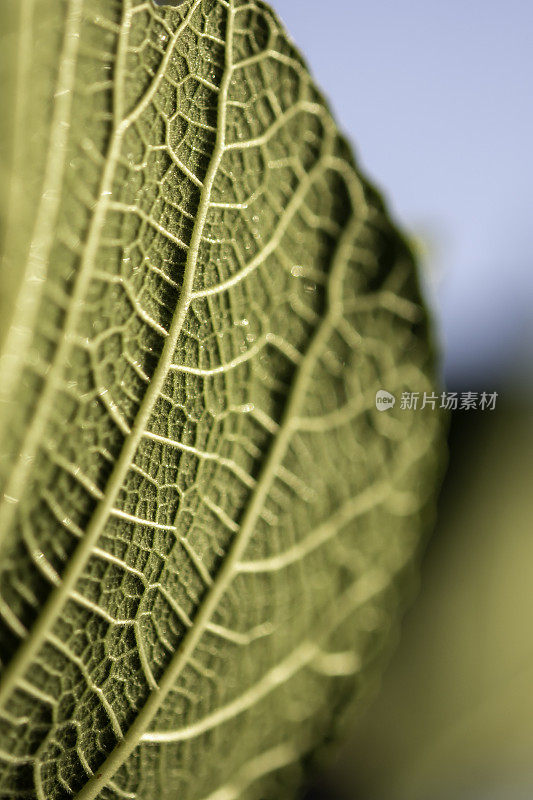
{"x":204,"y":517}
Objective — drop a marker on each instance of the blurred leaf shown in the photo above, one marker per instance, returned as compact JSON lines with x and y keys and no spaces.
{"x":455,"y":715}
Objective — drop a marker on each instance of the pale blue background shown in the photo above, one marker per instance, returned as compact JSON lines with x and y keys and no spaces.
{"x":437,"y":97}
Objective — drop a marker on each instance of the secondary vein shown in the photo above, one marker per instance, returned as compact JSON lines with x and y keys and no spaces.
{"x":60,"y":594}
{"x":285,"y":432}
{"x":32,"y":281}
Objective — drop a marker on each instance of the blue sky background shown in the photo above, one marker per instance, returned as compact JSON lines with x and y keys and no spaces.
{"x":437,"y":97}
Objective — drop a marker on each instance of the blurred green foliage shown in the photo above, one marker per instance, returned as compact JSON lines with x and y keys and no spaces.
{"x":454,"y":716}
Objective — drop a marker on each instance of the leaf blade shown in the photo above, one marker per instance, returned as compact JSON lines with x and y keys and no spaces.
{"x":217,"y":434}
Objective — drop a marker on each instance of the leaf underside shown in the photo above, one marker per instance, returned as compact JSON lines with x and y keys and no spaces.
{"x":204,"y":519}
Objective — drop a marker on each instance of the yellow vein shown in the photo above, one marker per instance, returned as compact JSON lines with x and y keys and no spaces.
{"x":253,"y":513}
{"x":31,"y":283}
{"x":367,"y":587}
{"x":259,"y":767}
{"x":352,"y":508}
{"x":277,"y":676}
{"x":52,"y":608}
{"x":29,"y":448}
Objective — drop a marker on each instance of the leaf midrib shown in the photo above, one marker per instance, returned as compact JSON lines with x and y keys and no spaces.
{"x":132,"y":737}
{"x":60,"y":594}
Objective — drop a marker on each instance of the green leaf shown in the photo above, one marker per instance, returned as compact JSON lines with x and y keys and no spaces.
{"x":204,"y":517}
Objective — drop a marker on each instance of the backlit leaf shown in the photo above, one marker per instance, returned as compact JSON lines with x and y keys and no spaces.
{"x":204,"y":516}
